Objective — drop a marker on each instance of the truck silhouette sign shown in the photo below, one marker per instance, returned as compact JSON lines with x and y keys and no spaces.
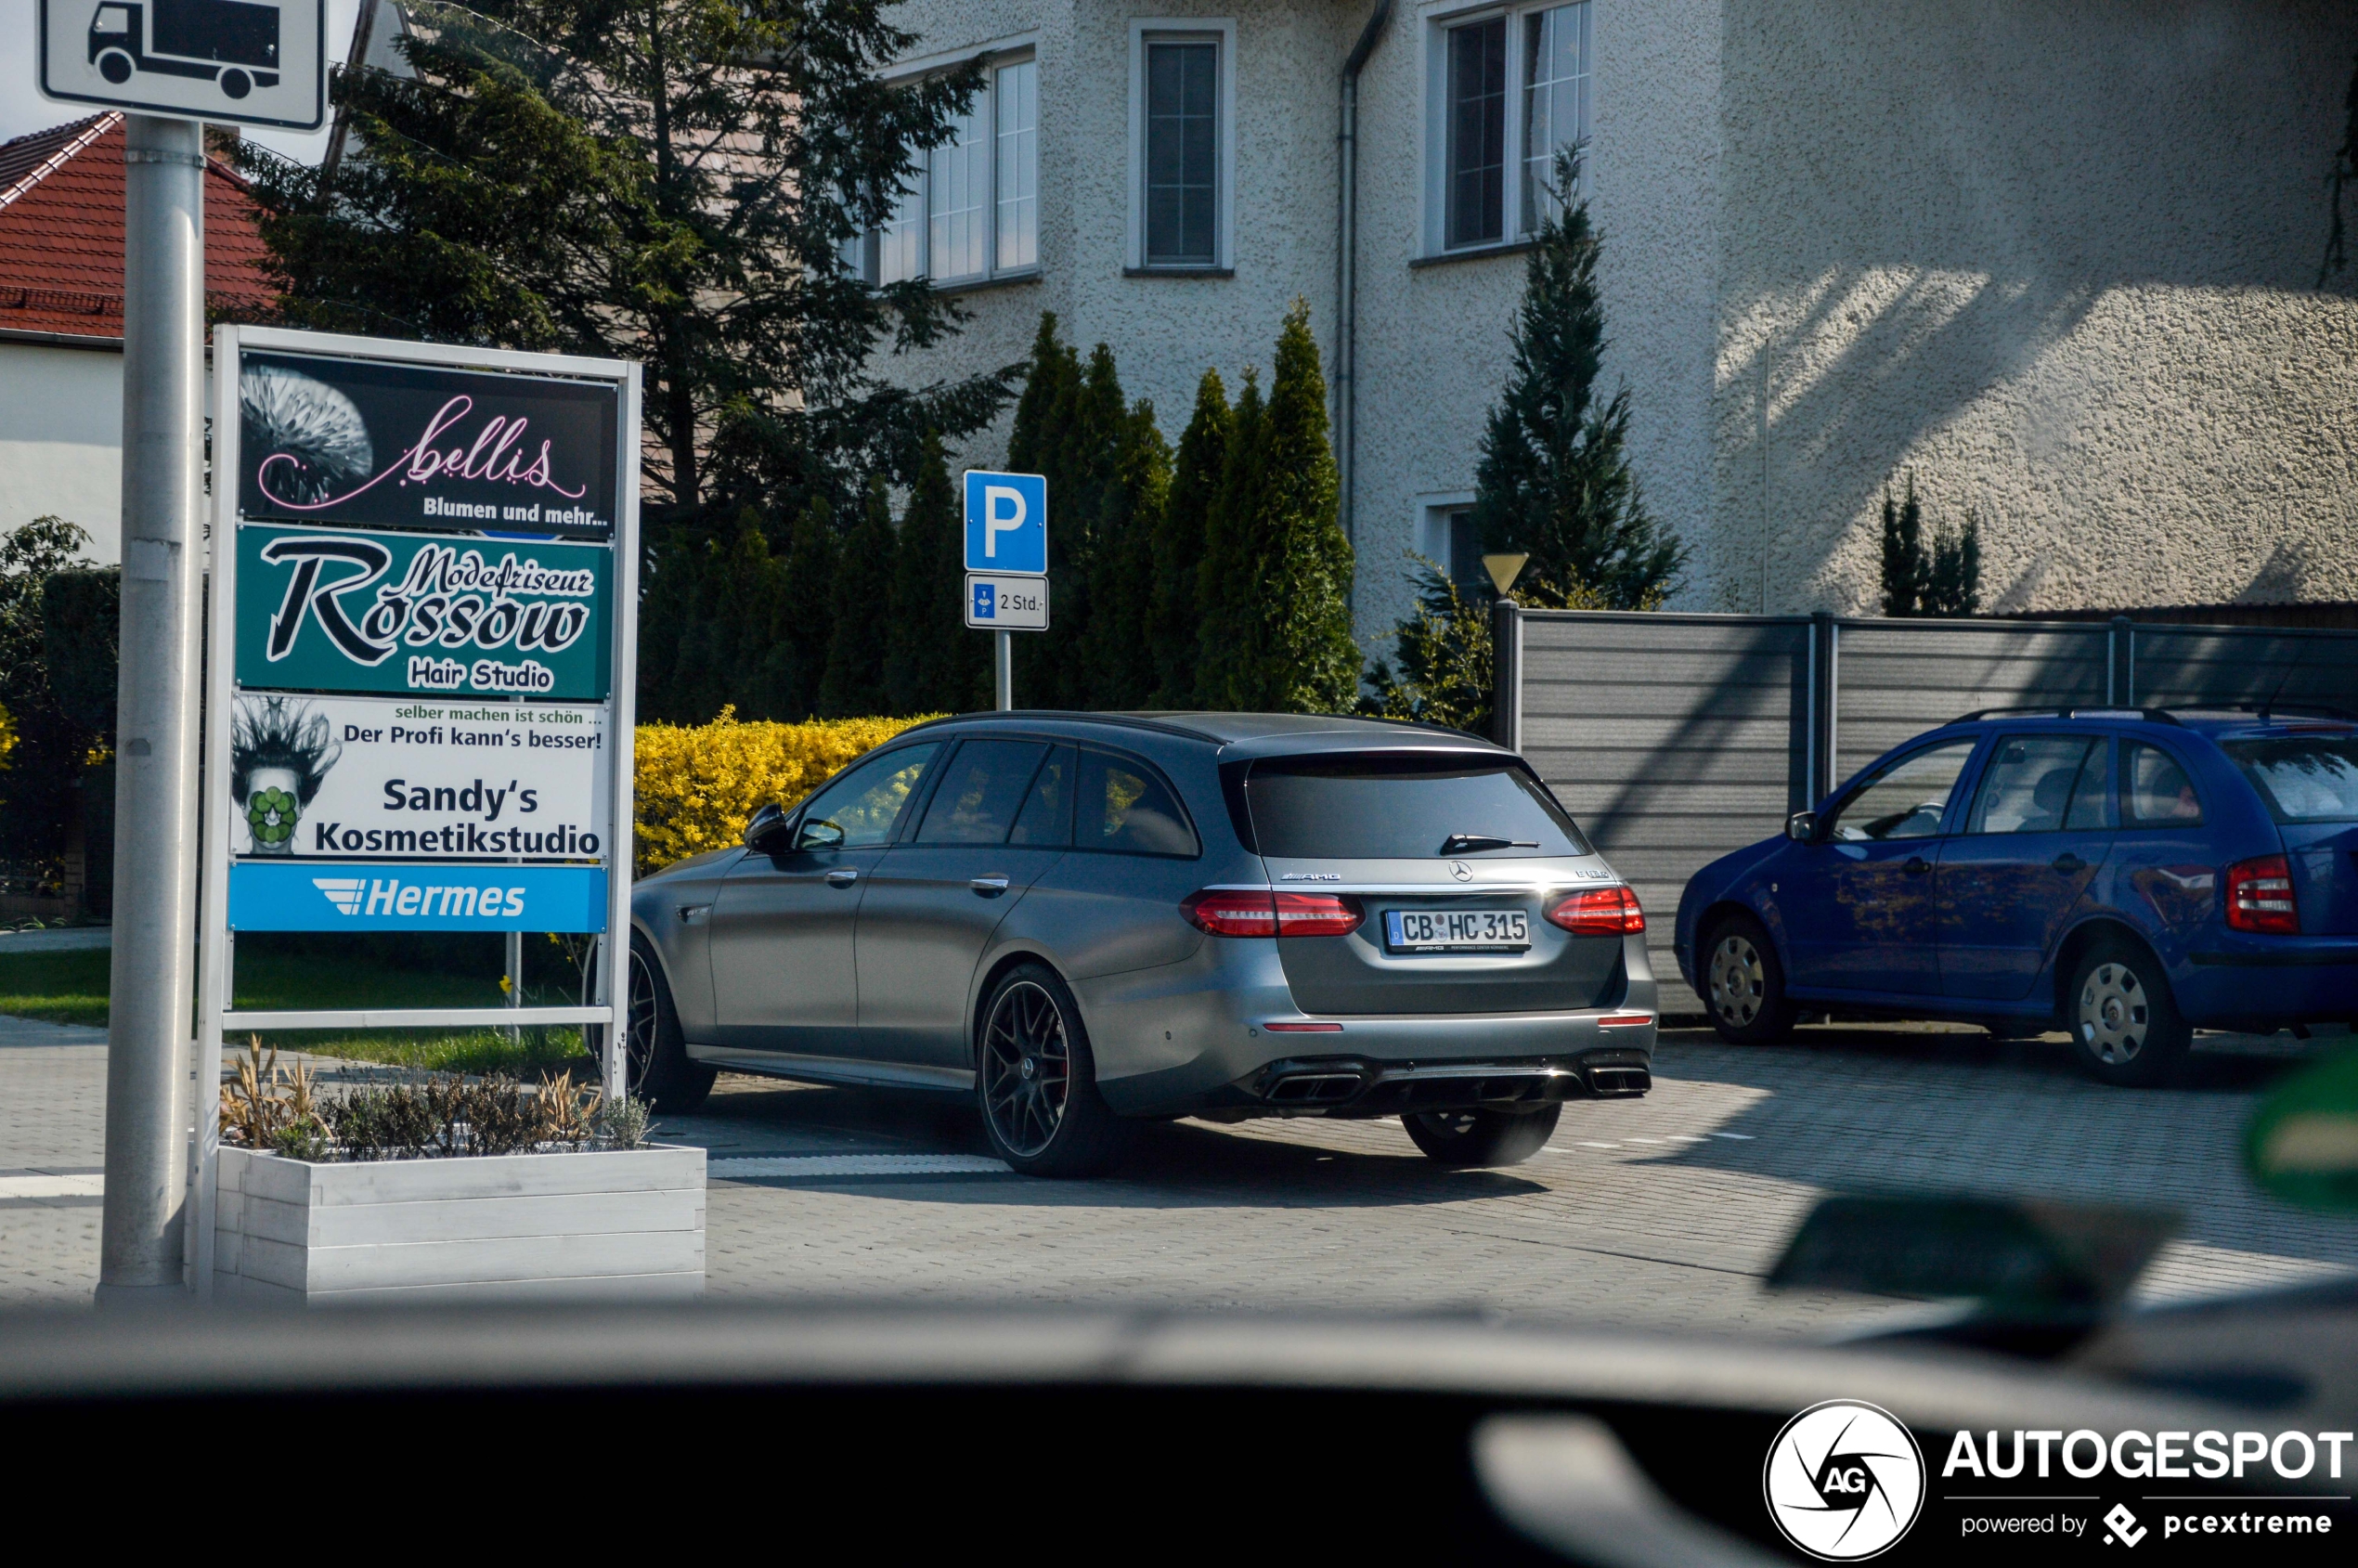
{"x":231,"y":42}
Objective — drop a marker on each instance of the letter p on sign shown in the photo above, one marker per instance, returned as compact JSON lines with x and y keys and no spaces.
{"x":1006,"y":523}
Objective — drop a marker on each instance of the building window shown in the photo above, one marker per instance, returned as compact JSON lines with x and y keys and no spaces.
{"x":1446,"y":536}
{"x":972,"y":210}
{"x":1537,"y":59}
{"x":1478,"y":132}
{"x":1182,"y":135}
{"x":1183,"y":169}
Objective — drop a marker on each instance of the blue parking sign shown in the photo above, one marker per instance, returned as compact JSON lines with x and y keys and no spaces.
{"x":986,"y":601}
{"x":1006,"y":523}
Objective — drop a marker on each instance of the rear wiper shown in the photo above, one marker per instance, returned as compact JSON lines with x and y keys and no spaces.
{"x":1460,"y":843}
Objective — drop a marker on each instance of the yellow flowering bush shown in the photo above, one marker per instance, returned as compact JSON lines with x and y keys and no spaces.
{"x":8,"y":735}
{"x":696,"y":786}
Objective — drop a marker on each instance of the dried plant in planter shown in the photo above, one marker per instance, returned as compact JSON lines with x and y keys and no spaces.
{"x":568,"y":1114}
{"x":442,"y":1116}
{"x":264,"y":1105}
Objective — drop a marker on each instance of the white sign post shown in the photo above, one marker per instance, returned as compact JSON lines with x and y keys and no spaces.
{"x":173,"y":64}
{"x":423,"y":656}
{"x":1006,"y":563}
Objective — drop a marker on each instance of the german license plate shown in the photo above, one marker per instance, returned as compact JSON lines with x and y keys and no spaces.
{"x":1455,"y":931}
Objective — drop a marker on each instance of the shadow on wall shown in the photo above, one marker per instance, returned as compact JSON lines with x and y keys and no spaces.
{"x":1923,"y":199}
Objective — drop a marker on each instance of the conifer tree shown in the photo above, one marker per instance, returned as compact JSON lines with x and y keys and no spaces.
{"x":796,"y":662}
{"x":1306,"y":660}
{"x":930,"y":665}
{"x":1041,"y":442}
{"x":1935,"y":576}
{"x":1554,"y":480}
{"x":854,"y":682}
{"x":1115,"y":647}
{"x":1446,"y":672}
{"x":1175,"y":610}
{"x":1227,"y":619}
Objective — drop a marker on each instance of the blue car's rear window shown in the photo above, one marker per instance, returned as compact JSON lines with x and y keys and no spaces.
{"x":2302,"y":778}
{"x":1395,"y":807}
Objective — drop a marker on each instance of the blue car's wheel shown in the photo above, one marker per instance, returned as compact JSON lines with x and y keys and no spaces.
{"x":1743,"y":984}
{"x":2125,"y":1027}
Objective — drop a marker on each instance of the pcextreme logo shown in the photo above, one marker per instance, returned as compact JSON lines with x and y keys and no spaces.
{"x":1844,"y":1480}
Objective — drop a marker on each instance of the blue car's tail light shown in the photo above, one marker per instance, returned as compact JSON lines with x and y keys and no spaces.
{"x":2259,"y":897}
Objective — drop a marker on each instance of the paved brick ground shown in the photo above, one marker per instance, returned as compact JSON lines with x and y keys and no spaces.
{"x":1665,"y":1211}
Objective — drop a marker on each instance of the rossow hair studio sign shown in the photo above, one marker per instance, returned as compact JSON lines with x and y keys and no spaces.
{"x":419,"y":688}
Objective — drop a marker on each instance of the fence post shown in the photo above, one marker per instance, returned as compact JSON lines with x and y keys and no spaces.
{"x":1506,"y":665}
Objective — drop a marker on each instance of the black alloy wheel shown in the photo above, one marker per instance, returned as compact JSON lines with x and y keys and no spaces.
{"x":1037,"y":1082}
{"x":1462,"y":1139}
{"x":655,"y":1064}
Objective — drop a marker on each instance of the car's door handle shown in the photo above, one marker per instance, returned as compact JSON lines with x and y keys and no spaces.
{"x":1917,"y":865}
{"x":2068,"y":863}
{"x":989,"y":886}
{"x":692,"y":914}
{"x":842,"y":876}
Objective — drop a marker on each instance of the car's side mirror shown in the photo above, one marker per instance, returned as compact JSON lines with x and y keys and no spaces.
{"x":763,"y":832}
{"x":1802,"y":827}
{"x":819,"y":834}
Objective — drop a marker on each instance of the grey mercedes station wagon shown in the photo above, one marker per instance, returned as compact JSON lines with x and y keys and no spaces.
{"x":1086,"y":920}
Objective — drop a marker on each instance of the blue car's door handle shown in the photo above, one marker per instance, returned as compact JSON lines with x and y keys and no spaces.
{"x":2068,"y":863}
{"x":842,"y":876}
{"x":1917,"y":865}
{"x":989,"y":886}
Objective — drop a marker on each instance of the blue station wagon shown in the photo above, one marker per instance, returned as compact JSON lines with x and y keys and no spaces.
{"x":2127,"y":876}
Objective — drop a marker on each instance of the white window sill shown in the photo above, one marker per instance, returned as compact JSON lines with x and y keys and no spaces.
{"x":1477,"y":253}
{"x":1178,"y":272}
{"x":995,"y":281}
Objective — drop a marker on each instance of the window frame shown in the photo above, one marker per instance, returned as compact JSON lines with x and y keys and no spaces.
{"x":1967,"y":785}
{"x":996,"y":57}
{"x":1222,"y":32}
{"x":1974,"y":812}
{"x":1516,"y":227}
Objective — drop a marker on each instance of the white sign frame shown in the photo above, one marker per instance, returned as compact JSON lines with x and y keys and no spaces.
{"x":999,"y":583}
{"x":183,"y":96}
{"x":216,"y":1019}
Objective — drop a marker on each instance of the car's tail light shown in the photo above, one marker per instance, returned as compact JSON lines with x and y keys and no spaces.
{"x":1598,"y":911}
{"x":1316,"y":914}
{"x":1256,"y":911}
{"x":2259,"y":897}
{"x":1228,"y":912}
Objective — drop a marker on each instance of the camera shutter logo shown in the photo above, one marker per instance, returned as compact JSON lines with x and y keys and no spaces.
{"x":1844,"y":1480}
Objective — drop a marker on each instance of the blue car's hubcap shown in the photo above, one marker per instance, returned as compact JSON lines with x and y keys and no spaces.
{"x":2113,"y":1014}
{"x":1737,"y":984}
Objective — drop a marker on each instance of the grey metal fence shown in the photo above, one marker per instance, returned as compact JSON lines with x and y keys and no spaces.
{"x":1675,"y":739}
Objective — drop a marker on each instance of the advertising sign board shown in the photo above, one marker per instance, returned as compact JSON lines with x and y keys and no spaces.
{"x":241,"y":62}
{"x":343,"y":610}
{"x":419,"y":674}
{"x":378,"y":444}
{"x":372,"y":778}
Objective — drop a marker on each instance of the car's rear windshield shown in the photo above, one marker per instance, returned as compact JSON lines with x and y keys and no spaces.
{"x":1403,"y":807}
{"x":2303,"y":778}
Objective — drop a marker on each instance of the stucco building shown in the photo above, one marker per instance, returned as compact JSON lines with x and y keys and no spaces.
{"x":2054,"y":258}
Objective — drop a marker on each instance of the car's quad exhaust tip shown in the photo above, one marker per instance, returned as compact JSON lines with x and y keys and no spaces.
{"x":1351,"y":1087}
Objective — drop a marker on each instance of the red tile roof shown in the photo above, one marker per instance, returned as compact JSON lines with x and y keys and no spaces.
{"x":61,"y":234}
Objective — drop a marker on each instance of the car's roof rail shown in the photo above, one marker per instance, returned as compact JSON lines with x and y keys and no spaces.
{"x":1065,"y":716}
{"x":2048,"y":711}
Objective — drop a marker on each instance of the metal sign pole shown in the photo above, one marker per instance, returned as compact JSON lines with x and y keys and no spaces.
{"x":155,"y":752}
{"x":1003,"y":655}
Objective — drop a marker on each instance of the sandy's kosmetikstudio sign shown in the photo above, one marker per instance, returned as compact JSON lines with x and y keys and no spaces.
{"x":418,"y":704}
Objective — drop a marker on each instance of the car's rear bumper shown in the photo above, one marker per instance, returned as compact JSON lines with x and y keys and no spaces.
{"x":2269,"y":981}
{"x":1221,"y":1033}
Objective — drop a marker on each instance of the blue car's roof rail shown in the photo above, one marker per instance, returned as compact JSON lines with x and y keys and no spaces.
{"x":2048,"y":711}
{"x":2268,"y":710}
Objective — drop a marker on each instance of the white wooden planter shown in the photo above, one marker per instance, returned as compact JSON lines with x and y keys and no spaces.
{"x":607,"y":1224}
